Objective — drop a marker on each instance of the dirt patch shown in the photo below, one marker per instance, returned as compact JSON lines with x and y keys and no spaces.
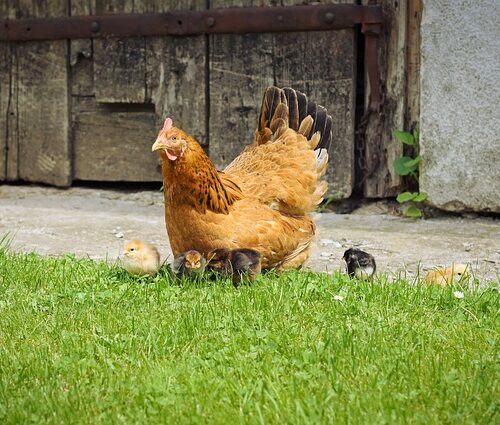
{"x":95,"y":223}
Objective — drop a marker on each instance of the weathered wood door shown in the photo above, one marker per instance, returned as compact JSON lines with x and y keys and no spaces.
{"x":90,"y":109}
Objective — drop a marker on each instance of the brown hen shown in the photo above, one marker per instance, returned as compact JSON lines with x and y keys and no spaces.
{"x":262,"y":200}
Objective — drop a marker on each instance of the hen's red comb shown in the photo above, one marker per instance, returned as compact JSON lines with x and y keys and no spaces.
{"x":167,"y":124}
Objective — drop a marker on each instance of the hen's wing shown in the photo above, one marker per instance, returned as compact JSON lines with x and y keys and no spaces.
{"x":284,"y":165}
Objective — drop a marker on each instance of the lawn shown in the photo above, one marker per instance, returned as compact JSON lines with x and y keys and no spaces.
{"x":83,"y":342}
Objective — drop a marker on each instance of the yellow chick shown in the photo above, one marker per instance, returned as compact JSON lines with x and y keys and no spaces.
{"x":141,"y":258}
{"x":447,"y":275}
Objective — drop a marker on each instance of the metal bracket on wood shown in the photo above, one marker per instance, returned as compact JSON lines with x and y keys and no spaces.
{"x":212,"y":21}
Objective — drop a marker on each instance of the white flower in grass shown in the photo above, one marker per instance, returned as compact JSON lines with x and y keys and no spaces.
{"x":458,"y":294}
{"x":338,"y":297}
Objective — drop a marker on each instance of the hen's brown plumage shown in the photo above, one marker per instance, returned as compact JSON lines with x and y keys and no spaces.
{"x":263,"y":198}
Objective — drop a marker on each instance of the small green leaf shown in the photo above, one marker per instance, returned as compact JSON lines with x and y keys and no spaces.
{"x":401,"y":168}
{"x":422,"y":196}
{"x":413,"y":212}
{"x":413,"y":162}
{"x":406,"y":196}
{"x":405,"y":137}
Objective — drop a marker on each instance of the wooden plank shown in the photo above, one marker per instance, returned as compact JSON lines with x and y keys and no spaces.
{"x":112,"y":140}
{"x":44,"y":154}
{"x":120,"y":70}
{"x":176,"y":80}
{"x":381,"y":148}
{"x":321,"y":64}
{"x":38,"y":145}
{"x":81,"y":60}
{"x":240,"y":68}
{"x":113,"y":143}
{"x":8,"y":101}
{"x":5,"y":66}
{"x":120,"y":63}
{"x":413,"y":63}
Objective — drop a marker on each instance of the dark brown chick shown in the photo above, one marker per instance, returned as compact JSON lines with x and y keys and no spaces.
{"x":190,"y":263}
{"x":242,"y":264}
{"x":359,"y":263}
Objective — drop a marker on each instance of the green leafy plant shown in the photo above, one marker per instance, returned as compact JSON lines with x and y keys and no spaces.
{"x":328,"y":200}
{"x":407,"y":166}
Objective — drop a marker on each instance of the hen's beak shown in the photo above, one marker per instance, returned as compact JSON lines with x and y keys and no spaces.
{"x":159,"y":144}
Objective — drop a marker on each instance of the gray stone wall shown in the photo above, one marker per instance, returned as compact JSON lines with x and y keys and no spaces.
{"x":460,"y":104}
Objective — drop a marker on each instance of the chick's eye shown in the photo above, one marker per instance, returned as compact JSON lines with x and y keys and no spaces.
{"x":132,"y":249}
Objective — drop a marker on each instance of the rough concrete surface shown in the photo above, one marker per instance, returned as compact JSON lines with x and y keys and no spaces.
{"x":95,"y":223}
{"x":460,"y":94}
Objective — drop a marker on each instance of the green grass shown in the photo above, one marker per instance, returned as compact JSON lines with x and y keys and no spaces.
{"x":83,"y":342}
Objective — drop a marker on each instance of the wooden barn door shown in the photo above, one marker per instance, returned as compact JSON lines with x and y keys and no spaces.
{"x":89,"y":110}
{"x":35,"y":141}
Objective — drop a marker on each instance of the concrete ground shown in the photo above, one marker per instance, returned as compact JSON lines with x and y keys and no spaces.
{"x":95,"y":223}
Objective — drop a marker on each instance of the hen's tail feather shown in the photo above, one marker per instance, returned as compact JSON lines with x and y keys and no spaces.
{"x":326,"y":140}
{"x":280,"y":117}
{"x":293,"y":108}
{"x":306,"y":126}
{"x":320,"y":121}
{"x":302,"y":104}
{"x":312,"y":110}
{"x":271,"y":99}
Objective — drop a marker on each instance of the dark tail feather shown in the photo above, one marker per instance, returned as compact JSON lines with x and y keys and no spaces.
{"x":271,"y":100}
{"x":326,"y":137}
{"x":289,"y":106}
{"x":293,"y":108}
{"x":322,"y":123}
{"x":312,"y":110}
{"x":302,"y":102}
{"x":280,"y":117}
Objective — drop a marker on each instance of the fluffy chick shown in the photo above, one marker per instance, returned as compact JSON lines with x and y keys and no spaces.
{"x":140,"y":258}
{"x":359,"y":263}
{"x":190,"y":263}
{"x":447,"y":275}
{"x":241,"y":263}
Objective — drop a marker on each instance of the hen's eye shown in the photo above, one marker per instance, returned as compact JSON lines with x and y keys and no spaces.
{"x":174,"y":137}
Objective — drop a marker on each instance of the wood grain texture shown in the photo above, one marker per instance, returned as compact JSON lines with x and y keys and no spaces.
{"x":240,"y":68}
{"x":176,"y":78}
{"x":81,"y":55}
{"x":113,"y":142}
{"x":5,"y":98}
{"x":120,"y":70}
{"x":321,"y":64}
{"x":120,"y":63}
{"x":8,"y":102}
{"x":38,"y":143}
{"x":413,"y":63}
{"x":381,"y":148}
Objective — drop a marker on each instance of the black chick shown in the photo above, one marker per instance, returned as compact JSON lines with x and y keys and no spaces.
{"x":190,"y":263}
{"x":241,"y":263}
{"x":359,"y":263}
